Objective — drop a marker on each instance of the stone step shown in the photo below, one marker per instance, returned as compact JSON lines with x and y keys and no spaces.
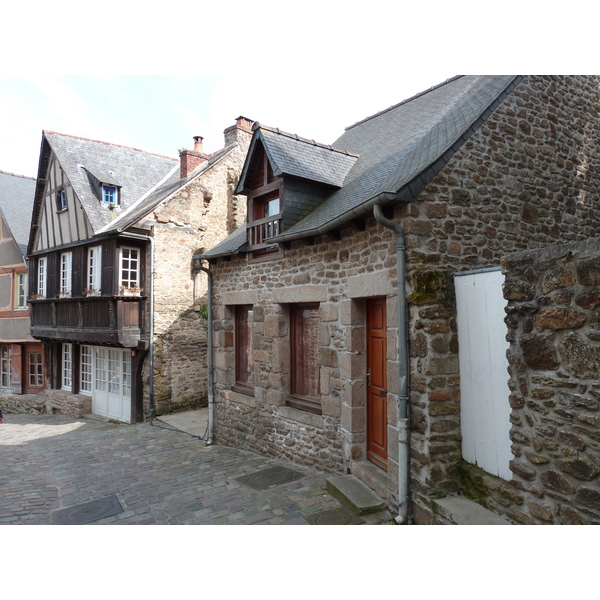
{"x":355,"y":494}
{"x":458,"y":510}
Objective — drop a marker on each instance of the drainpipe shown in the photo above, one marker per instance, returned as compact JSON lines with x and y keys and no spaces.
{"x":211,"y":395}
{"x":147,"y":238}
{"x":403,"y":397}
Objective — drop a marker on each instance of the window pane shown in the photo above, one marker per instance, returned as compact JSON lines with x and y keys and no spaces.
{"x":114,"y":371}
{"x":4,"y":367}
{"x":244,"y":364}
{"x":86,"y":369}
{"x":305,"y":351}
{"x":67,"y":366}
{"x":126,"y":373}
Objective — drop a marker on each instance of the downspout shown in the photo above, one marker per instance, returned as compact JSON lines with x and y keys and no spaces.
{"x":150,"y":239}
{"x":404,"y":516}
{"x":211,"y":394}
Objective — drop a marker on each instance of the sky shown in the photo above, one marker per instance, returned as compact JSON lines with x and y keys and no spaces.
{"x":152,"y":78}
{"x":161,"y":114}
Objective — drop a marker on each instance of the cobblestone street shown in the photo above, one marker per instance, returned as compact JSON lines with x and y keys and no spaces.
{"x":54,"y":468}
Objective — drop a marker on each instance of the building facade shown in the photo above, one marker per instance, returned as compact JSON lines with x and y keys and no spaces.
{"x":22,"y":359}
{"x":113,"y":234}
{"x":337,"y":317}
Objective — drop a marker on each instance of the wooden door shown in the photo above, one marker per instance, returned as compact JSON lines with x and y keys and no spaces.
{"x":377,"y":382}
{"x":33,"y":380}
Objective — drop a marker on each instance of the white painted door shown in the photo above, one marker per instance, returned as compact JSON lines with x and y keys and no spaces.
{"x":111,"y":390}
{"x":485,"y":409}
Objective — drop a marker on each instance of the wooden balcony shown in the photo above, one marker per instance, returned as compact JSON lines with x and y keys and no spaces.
{"x":93,"y":319}
{"x":261,"y":229}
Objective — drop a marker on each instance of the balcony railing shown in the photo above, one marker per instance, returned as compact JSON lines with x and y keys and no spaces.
{"x":261,"y":229}
{"x":99,"y":319}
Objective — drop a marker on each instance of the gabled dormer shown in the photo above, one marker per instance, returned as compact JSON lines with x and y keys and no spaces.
{"x":106,"y":187}
{"x":285,"y":178}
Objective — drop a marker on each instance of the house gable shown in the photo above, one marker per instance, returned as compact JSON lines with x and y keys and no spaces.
{"x":59,"y":219}
{"x":285,"y":178}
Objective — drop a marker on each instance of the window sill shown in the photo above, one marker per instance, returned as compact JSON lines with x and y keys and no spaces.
{"x":232,"y":396}
{"x":244,"y":390}
{"x":301,"y":416}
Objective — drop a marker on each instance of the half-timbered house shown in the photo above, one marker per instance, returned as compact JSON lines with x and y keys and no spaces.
{"x":113,"y":293}
{"x":21,"y":357}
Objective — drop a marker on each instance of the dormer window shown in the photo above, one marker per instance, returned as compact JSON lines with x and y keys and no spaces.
{"x":110,"y":195}
{"x":61,"y":200}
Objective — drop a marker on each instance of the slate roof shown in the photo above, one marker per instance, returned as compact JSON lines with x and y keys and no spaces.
{"x":86,"y":162}
{"x":399,"y":145}
{"x":294,"y":156}
{"x":166,"y":188}
{"x":399,"y":149}
{"x":16,"y":203}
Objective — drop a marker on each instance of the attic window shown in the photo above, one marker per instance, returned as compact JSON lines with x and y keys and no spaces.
{"x":61,"y":200}
{"x":110,"y":195}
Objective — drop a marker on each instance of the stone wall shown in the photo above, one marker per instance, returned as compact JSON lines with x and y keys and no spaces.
{"x":339,"y":275}
{"x":196,"y":218}
{"x":554,"y":331}
{"x":527,"y":178}
{"x":51,"y":401}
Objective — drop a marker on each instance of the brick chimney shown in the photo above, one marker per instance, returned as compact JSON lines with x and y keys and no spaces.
{"x":240,"y":133}
{"x":190,"y":159}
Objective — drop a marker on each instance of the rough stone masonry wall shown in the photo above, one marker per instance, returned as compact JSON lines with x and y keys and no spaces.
{"x":339,"y":275}
{"x":553,"y":317}
{"x":528,"y":177}
{"x":199,"y":216}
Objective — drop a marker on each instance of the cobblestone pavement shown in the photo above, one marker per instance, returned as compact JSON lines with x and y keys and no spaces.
{"x":158,"y":474}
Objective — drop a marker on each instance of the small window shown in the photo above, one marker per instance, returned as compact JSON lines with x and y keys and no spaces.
{"x":244,"y":352}
{"x":265,"y":222}
{"x":41,"y":279}
{"x":66,"y":264}
{"x":67,"y":366}
{"x":130,"y":269}
{"x":4,"y":366}
{"x":61,"y":200}
{"x":36,"y":378}
{"x":110,"y":195}
{"x":94,"y":271}
{"x":21,"y":291}
{"x":305,"y":357}
{"x":86,"y":370}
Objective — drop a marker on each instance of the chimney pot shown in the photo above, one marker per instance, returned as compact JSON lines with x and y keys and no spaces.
{"x":198,"y":143}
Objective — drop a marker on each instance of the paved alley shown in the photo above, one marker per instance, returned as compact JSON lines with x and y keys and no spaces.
{"x":58,"y":470}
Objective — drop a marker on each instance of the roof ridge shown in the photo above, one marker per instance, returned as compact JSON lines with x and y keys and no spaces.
{"x":17,"y":175}
{"x":298,"y":138}
{"x":76,"y":137}
{"x":405,"y":101}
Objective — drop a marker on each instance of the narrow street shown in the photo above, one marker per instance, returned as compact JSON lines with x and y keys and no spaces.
{"x":58,"y":470}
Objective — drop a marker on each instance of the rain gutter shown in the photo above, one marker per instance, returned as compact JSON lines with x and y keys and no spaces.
{"x":403,"y":394}
{"x":197,"y":262}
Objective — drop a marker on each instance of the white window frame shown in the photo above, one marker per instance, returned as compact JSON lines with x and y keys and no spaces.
{"x":21,"y":284}
{"x":42,"y":273}
{"x":66,"y":272}
{"x":94,"y":269}
{"x":67,"y":367}
{"x":87,"y":373}
{"x":4,"y":366}
{"x":128,"y":276}
{"x":61,"y":200}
